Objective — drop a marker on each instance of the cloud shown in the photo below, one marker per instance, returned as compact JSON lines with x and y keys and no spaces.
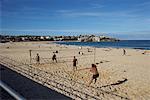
{"x":131,"y":35}
{"x":64,"y":11}
{"x":93,"y":10}
{"x":148,"y":20}
{"x":42,"y":30}
{"x":72,"y":13}
{"x":97,"y":5}
{"x":27,"y":12}
{"x":80,"y":14}
{"x":137,"y":32}
{"x":144,"y":4}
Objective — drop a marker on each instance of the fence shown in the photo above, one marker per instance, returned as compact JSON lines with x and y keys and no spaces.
{"x":62,"y":55}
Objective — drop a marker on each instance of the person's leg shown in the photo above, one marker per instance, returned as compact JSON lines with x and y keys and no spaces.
{"x":76,"y":67}
{"x":95,"y":77}
{"x":90,"y":81}
{"x":95,"y":80}
{"x":56,"y":60}
{"x":37,"y":62}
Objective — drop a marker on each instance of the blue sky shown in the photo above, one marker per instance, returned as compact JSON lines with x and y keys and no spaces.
{"x":122,"y":18}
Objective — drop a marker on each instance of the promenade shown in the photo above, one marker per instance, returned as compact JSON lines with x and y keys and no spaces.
{"x":26,"y":87}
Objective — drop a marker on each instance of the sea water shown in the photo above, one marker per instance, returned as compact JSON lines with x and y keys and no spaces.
{"x":135,"y":44}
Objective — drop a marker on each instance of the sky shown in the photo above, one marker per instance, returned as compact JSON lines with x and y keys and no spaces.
{"x":126,"y":19}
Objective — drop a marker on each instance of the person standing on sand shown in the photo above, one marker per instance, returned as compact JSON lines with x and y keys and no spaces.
{"x":124,"y":52}
{"x":75,"y":61}
{"x":54,"y":58}
{"x":95,"y":73}
{"x":37,"y":59}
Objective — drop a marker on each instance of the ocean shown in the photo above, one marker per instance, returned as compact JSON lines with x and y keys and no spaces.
{"x":134,"y":44}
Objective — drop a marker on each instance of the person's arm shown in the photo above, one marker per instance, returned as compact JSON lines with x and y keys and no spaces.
{"x":91,"y":70}
{"x":83,"y":69}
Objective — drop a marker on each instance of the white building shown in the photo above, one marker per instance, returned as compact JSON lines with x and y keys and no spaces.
{"x":47,"y":37}
{"x":96,"y":39}
{"x":42,"y":37}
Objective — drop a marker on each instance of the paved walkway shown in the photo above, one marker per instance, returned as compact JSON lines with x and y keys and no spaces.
{"x":28,"y":88}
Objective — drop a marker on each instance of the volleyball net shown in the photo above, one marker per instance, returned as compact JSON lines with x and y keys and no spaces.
{"x":63,"y":56}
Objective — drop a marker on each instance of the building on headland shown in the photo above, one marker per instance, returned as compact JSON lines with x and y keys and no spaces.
{"x":80,"y":38}
{"x":93,"y":38}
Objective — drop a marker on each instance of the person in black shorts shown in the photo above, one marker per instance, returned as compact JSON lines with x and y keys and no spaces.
{"x":75,"y":61}
{"x":37,"y":59}
{"x":95,"y":73}
{"x":94,"y":70}
{"x":54,"y":58}
{"x":124,"y":52}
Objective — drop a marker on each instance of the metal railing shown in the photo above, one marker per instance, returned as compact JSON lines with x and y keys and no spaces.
{"x":13,"y":93}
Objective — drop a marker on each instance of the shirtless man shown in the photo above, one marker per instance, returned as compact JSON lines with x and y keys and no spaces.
{"x":124,"y":52}
{"x":37,"y":59}
{"x":95,"y":73}
{"x":75,"y":61}
{"x":54,"y":58}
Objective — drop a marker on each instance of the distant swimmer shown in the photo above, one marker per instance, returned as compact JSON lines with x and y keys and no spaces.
{"x":54,"y":58}
{"x":124,"y":52}
{"x":75,"y":61}
{"x":37,"y":59}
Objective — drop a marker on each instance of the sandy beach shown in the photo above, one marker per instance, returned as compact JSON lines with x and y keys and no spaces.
{"x":127,"y":76}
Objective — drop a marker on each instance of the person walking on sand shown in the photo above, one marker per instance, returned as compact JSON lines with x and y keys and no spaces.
{"x":95,"y":73}
{"x":75,"y":61}
{"x":54,"y":58}
{"x":37,"y":59}
{"x":124,"y":52}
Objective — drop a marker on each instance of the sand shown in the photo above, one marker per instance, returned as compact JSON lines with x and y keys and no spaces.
{"x":127,"y":76}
